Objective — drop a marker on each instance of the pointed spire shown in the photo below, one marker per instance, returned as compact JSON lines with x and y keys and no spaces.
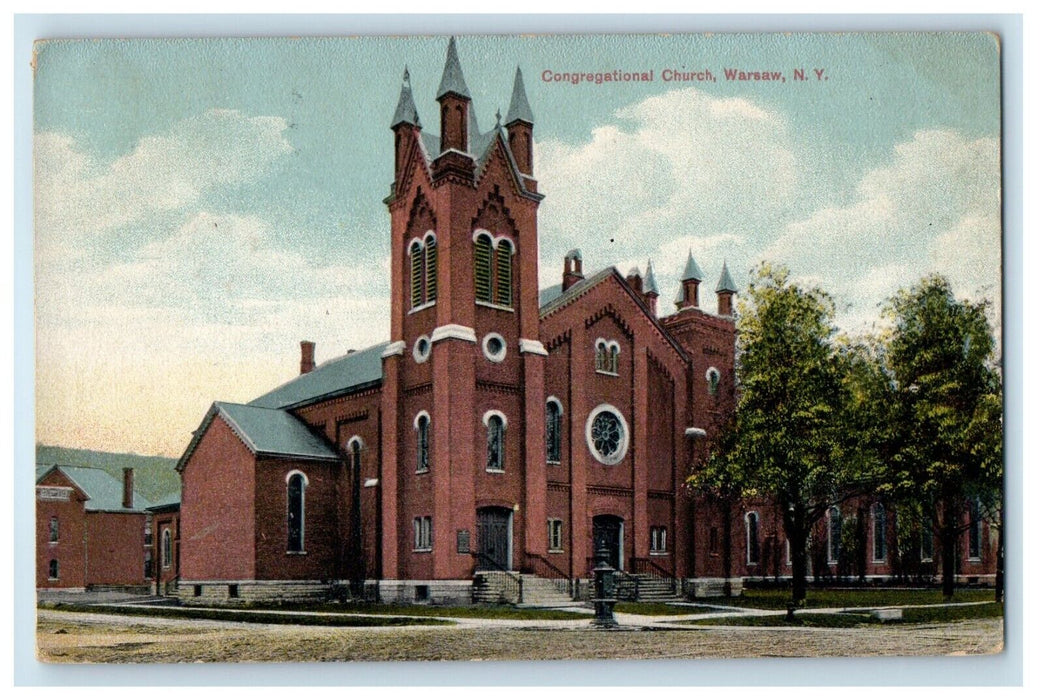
{"x":406,"y":112}
{"x":692,"y":270}
{"x":519,"y":109}
{"x":498,"y":117}
{"x":452,"y":75}
{"x":649,"y":281}
{"x":725,"y":283}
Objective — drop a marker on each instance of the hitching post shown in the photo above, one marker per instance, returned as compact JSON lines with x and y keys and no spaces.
{"x":605,"y":591}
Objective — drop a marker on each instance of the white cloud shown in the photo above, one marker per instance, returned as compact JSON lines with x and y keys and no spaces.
{"x":670,"y":171}
{"x":77,"y":197}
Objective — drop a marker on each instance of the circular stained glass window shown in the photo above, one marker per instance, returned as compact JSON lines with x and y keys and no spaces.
{"x":607,"y":435}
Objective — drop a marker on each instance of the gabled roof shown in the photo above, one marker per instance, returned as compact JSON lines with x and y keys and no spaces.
{"x":103,"y":491}
{"x":269,"y":431}
{"x":339,"y":376}
{"x":557,"y":302}
{"x":519,"y":109}
{"x":452,"y":75}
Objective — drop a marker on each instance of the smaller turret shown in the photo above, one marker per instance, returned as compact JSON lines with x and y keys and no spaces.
{"x":649,"y":289}
{"x":573,"y":271}
{"x":519,"y":124}
{"x":726,"y":290}
{"x":634,"y":280}
{"x":405,"y":123}
{"x":689,"y":294}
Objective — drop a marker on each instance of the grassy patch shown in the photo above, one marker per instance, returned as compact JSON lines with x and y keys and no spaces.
{"x":489,"y":612}
{"x":953,"y":613}
{"x":659,"y":609}
{"x":259,"y":617}
{"x":851,"y":598}
{"x":855,"y":619}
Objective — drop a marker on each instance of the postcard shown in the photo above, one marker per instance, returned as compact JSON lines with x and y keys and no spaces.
{"x":518,"y":347}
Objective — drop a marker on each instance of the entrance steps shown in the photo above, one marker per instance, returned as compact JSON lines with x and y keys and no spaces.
{"x":645,"y":588}
{"x":545,"y":592}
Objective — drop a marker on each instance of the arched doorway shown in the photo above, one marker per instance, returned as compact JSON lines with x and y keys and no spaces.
{"x":608,"y":534}
{"x":494,"y":539}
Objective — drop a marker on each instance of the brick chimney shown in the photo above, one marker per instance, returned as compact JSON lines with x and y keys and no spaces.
{"x":128,"y":487}
{"x":307,"y":356}
{"x":573,"y":271}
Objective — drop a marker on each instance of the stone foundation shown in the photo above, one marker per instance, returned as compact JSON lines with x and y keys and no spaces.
{"x":710,"y":587}
{"x":424,"y":592}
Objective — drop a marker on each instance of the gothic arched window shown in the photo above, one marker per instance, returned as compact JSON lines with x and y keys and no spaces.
{"x":52,"y":569}
{"x":295,"y":511}
{"x":430,"y":260}
{"x":423,"y":425}
{"x":483,"y":268}
{"x":416,"y":274}
{"x":553,"y":431}
{"x":493,"y":269}
{"x":753,"y":544}
{"x":504,"y":273}
{"x":494,"y":442}
{"x":167,"y":549}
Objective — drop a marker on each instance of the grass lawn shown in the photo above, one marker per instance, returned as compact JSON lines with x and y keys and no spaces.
{"x":851,"y":598}
{"x":489,"y":612}
{"x":910,"y":616}
{"x":234,"y":615}
{"x":659,"y":609}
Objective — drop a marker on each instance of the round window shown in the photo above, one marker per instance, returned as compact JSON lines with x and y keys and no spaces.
{"x":494,"y":347}
{"x":422,"y":349}
{"x":607,"y":435}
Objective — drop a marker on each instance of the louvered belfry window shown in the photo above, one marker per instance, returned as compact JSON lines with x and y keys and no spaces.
{"x":504,"y":273}
{"x":431,"y":258}
{"x":483,"y":269}
{"x":416,"y":275}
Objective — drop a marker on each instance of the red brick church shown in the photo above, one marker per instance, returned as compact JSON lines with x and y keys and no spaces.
{"x":502,"y":435}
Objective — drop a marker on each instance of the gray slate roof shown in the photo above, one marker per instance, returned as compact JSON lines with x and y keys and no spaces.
{"x":104,"y":492}
{"x":271,"y":431}
{"x":452,"y":75}
{"x":692,"y":271}
{"x":519,"y":109}
{"x":552,"y":298}
{"x":725,"y":283}
{"x":406,"y":111}
{"x":338,"y":376}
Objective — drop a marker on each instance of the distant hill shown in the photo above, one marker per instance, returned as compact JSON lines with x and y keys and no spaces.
{"x":154,"y":477}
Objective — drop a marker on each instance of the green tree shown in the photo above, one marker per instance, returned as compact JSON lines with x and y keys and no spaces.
{"x":946,"y":408}
{"x":791,"y":439}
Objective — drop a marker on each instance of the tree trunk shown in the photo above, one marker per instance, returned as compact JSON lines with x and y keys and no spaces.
{"x":796,"y":528}
{"x":949,"y":547}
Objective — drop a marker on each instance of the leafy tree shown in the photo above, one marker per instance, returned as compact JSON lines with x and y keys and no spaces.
{"x":946,"y":408}
{"x":791,"y":440}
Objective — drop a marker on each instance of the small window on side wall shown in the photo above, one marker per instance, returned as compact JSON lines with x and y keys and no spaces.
{"x":52,"y":570}
{"x":713,"y":380}
{"x":295,"y":512}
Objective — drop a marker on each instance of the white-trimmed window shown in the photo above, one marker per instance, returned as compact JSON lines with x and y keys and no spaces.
{"x":421,"y":349}
{"x":296,"y":483}
{"x":166,"y":548}
{"x":880,"y":520}
{"x":553,"y":431}
{"x":753,"y":541}
{"x":492,"y":267}
{"x":494,"y":347}
{"x":422,"y":534}
{"x":713,"y":380}
{"x":423,"y":267}
{"x":607,"y":434}
{"x":554,"y":535}
{"x":52,"y":570}
{"x":422,"y":424}
{"x":495,"y":422}
{"x":833,"y":534}
{"x":607,"y":356}
{"x":974,"y":531}
{"x":52,"y":533}
{"x":658,"y":539}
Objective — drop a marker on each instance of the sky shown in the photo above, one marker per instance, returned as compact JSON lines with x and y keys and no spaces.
{"x":201,"y":206}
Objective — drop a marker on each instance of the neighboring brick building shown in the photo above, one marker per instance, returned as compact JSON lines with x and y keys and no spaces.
{"x":503,"y":428}
{"x":92,"y":531}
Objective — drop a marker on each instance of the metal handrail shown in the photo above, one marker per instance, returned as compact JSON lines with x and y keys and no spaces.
{"x":550,"y":569}
{"x":501,"y":568}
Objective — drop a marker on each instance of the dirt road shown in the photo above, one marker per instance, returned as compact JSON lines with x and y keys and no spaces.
{"x":78,"y":638}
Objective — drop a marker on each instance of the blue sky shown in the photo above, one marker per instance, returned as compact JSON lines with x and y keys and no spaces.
{"x":201,"y":206}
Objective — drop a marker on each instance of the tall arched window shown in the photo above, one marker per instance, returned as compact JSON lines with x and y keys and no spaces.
{"x":483,"y":268}
{"x":430,"y":263}
{"x":423,"y":425}
{"x":494,"y":442}
{"x":416,"y":274}
{"x":504,"y":273}
{"x":753,"y":544}
{"x":553,"y":431}
{"x":166,"y":553}
{"x":601,"y":356}
{"x":834,"y":535}
{"x":295,"y":511}
{"x":713,"y":379}
{"x":53,"y":529}
{"x":879,"y":531}
{"x":607,"y":356}
{"x":52,"y":569}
